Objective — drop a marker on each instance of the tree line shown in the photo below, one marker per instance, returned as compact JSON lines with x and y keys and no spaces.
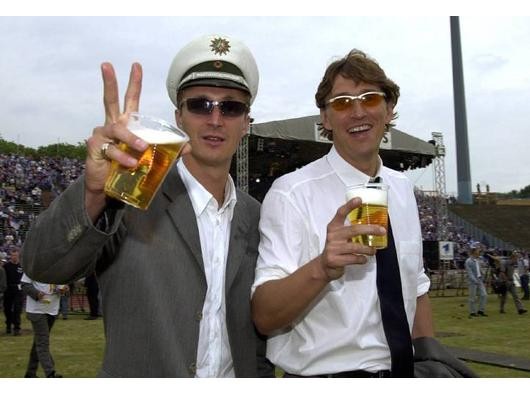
{"x":59,"y":150}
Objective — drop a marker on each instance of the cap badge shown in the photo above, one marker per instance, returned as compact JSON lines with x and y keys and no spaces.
{"x":218,"y":64}
{"x":220,"y":46}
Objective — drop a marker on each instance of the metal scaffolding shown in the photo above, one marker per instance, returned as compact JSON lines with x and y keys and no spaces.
{"x":439,"y":182}
{"x":242,"y":164}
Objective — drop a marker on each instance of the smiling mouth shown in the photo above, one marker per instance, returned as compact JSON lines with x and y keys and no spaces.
{"x":359,"y":129}
{"x":214,"y":139}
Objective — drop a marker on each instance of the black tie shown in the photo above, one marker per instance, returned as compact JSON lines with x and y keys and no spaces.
{"x":393,"y":313}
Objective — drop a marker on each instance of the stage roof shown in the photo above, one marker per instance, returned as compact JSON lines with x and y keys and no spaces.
{"x":399,"y":150}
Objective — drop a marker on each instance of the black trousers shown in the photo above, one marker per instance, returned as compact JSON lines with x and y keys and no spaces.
{"x":92,"y":293}
{"x":13,"y":299}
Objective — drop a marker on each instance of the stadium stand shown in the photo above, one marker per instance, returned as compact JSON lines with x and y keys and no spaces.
{"x":510,"y":223}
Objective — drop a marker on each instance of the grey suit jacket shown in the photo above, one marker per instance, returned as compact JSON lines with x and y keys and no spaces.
{"x":151,"y":275}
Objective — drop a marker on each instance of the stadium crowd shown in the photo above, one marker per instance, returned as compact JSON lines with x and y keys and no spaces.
{"x":26,"y":186}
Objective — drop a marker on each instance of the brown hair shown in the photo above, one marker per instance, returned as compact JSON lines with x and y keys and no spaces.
{"x":357,"y":66}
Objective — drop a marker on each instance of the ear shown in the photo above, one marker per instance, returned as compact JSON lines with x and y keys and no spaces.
{"x":246,"y":126}
{"x":324,"y":119}
{"x":178,"y":118}
{"x":389,"y":113}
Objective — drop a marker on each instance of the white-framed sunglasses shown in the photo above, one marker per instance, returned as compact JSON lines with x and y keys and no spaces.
{"x":345,"y":102}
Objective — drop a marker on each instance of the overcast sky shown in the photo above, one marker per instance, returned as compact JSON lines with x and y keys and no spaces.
{"x":51,"y":86}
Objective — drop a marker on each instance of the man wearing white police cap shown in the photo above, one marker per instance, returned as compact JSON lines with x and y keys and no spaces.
{"x":176,"y":277}
{"x":212,"y":82}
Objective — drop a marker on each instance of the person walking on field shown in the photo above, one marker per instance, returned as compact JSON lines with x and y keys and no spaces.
{"x":507,"y":268}
{"x":42,"y":308}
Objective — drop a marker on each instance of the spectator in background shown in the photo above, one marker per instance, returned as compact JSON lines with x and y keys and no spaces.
{"x":3,"y":282}
{"x":507,"y":268}
{"x":42,"y":307}
{"x":522,"y":270}
{"x":475,"y":281}
{"x":64,"y":303}
{"x":92,"y":293}
{"x":13,"y":294}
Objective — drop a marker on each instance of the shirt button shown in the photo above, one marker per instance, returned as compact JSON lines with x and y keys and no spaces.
{"x":192,"y":368}
{"x":198,"y":316}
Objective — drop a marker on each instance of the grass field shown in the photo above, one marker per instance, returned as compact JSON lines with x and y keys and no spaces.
{"x":77,"y":345}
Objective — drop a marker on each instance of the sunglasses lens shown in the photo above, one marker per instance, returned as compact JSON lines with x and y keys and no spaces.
{"x":345,"y":103}
{"x":203,"y":106}
{"x":199,"y":105}
{"x":341,"y":103}
{"x":232,"y":108}
{"x":371,"y":100}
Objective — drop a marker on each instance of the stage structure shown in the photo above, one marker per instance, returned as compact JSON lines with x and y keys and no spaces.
{"x":439,"y":182}
{"x":277,"y":147}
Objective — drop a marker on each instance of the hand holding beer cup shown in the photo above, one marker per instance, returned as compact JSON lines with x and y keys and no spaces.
{"x":137,"y":186}
{"x":372,"y":211}
{"x":339,"y":251}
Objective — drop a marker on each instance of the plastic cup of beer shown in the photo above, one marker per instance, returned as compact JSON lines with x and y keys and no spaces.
{"x":373,"y":211}
{"x":137,"y":186}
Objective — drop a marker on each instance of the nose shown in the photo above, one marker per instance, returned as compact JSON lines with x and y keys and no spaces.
{"x":357,"y":109}
{"x":216,"y":117}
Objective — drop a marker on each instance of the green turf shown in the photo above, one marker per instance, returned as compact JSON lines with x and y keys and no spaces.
{"x":504,"y":334}
{"x":77,"y":345}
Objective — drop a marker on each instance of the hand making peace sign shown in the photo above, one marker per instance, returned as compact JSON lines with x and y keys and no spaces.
{"x":101,"y":146}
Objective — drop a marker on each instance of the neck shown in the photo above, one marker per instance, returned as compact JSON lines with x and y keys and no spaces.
{"x":369,"y":166}
{"x":212,"y":178}
{"x":367,"y":163}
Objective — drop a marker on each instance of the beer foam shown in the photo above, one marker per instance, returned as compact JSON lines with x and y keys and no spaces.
{"x":153,"y":136}
{"x":368,"y":195}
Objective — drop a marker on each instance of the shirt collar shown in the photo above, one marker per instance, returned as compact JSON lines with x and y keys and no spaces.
{"x":348,"y":174}
{"x":199,"y":196}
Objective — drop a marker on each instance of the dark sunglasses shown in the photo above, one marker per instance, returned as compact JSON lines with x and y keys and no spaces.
{"x":345,"y":102}
{"x":204,"y":106}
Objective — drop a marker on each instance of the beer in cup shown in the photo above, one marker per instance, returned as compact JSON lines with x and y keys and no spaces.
{"x":373,"y":211}
{"x":137,"y":186}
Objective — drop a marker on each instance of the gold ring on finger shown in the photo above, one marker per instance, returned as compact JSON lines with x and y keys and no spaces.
{"x":103,"y":150}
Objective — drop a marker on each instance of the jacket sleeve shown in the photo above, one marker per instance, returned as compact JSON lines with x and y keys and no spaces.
{"x":470,"y":271}
{"x":30,"y":290}
{"x":63,"y":245}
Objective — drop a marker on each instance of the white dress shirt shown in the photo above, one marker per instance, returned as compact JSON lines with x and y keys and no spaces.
{"x":214,"y":358}
{"x":341,"y":329}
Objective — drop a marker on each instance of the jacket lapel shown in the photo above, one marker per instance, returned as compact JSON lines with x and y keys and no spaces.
{"x":238,"y":242}
{"x":182,"y":214}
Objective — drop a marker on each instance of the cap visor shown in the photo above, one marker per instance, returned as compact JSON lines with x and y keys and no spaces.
{"x":215,"y":82}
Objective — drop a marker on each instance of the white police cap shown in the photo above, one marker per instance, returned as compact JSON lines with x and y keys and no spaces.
{"x":213,"y":60}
